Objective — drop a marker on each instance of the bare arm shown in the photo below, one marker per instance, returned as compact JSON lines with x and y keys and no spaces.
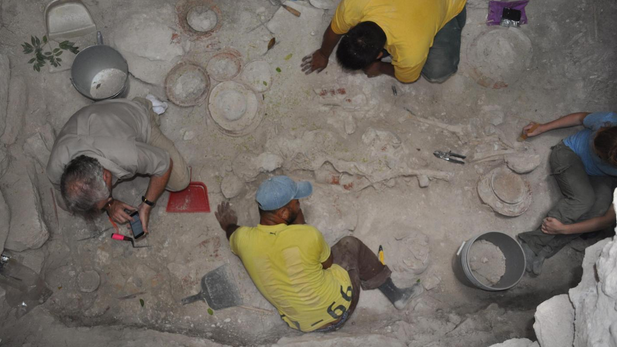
{"x":326,"y":264}
{"x":319,"y":59}
{"x":227,"y":218}
{"x":379,"y":68}
{"x":554,"y":226}
{"x":570,"y":120}
{"x":156,"y":187}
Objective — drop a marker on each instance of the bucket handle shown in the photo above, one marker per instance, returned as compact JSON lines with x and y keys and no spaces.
{"x":99,"y":38}
{"x":460,"y":248}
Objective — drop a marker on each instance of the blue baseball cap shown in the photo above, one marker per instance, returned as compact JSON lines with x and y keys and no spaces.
{"x":278,"y":191}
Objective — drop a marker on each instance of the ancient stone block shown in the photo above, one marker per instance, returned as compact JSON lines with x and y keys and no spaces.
{"x":5,"y":76}
{"x":554,"y":325}
{"x":27,"y":229}
{"x":16,"y":110}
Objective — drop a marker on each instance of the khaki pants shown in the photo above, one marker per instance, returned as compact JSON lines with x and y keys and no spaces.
{"x":180,"y":177}
{"x":584,"y":197}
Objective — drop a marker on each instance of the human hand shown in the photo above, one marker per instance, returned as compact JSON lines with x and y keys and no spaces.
{"x":532,"y":129}
{"x":314,"y":62}
{"x":553,"y":226}
{"x":117,"y":214}
{"x":226,"y":215}
{"x":144,"y":215}
{"x":373,"y":70}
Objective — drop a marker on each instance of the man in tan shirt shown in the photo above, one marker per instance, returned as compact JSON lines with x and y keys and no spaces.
{"x":107,"y":142}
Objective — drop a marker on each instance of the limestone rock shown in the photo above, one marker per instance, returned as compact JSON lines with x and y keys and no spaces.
{"x":16,"y":110}
{"x":5,"y":76}
{"x":35,"y":147}
{"x":338,"y":340}
{"x":516,"y":343}
{"x":554,"y":325}
{"x":333,"y":214}
{"x":595,"y":299}
{"x":248,"y":167}
{"x":5,"y":217}
{"x":231,"y":186}
{"x":423,"y":181}
{"x":145,"y":41}
{"x":27,"y":229}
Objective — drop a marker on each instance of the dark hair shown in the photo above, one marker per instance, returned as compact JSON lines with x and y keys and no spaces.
{"x":605,"y":144}
{"x":360,"y":46}
{"x":82,"y":186}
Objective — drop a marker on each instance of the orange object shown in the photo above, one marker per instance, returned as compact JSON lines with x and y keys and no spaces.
{"x":524,"y":136}
{"x":292,"y":10}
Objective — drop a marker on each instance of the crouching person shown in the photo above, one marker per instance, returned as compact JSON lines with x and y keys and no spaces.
{"x":107,"y":142}
{"x":313,"y":287}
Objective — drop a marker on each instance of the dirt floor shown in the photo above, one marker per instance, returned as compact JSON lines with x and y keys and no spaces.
{"x":366,"y":149}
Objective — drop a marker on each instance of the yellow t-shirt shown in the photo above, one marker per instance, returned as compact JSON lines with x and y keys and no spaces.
{"x":410,"y":27}
{"x":284,"y":262}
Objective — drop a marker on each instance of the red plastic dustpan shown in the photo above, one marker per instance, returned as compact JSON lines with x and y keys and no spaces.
{"x":192,"y":199}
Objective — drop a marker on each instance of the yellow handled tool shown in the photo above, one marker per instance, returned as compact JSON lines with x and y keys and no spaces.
{"x":381,"y":255}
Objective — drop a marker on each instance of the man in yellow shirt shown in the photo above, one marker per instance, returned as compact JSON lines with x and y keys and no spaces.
{"x":422,"y":36}
{"x":313,"y":287}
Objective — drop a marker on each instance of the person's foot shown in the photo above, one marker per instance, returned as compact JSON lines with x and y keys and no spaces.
{"x":407,"y":294}
{"x":533,"y":262}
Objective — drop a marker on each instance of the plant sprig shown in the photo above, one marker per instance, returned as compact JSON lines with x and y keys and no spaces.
{"x":52,"y":55}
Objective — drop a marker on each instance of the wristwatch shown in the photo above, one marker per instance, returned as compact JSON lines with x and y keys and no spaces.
{"x":147,"y":202}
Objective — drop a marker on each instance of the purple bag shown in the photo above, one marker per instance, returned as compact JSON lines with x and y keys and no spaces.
{"x":495,"y":10}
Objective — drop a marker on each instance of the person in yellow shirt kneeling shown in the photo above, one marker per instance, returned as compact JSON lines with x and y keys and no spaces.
{"x":422,"y":36}
{"x":313,"y":287}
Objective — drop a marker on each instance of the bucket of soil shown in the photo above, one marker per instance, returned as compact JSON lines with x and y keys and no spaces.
{"x":100,"y":72}
{"x":491,"y":261}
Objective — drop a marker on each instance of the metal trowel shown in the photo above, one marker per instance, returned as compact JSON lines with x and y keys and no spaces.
{"x":218,"y":289}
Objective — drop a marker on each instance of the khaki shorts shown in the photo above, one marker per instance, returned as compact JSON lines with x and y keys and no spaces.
{"x":180,"y":177}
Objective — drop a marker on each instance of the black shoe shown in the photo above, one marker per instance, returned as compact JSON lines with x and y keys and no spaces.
{"x":400,"y":297}
{"x":533,"y":262}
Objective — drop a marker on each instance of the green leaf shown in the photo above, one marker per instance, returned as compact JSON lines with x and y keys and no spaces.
{"x":58,"y":59}
{"x":56,"y":50}
{"x":45,"y":39}
{"x":265,"y":83}
{"x":31,"y":60}
{"x":141,"y":302}
{"x":33,"y":40}
{"x":288,"y":56}
{"x":47,"y":53}
{"x":37,"y":68}
{"x":278,"y":69}
{"x":210,"y":312}
{"x":59,"y":53}
{"x":38,"y":42}
{"x":418,"y":281}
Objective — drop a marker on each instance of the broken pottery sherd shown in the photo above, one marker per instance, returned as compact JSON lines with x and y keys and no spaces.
{"x":523,"y":163}
{"x":505,"y":192}
{"x":187,"y":84}
{"x":234,"y":108}
{"x":257,"y":76}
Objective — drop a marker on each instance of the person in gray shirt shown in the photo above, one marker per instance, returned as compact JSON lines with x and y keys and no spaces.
{"x":107,"y":142}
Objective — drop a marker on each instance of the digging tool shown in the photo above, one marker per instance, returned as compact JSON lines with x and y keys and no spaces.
{"x":448,"y":156}
{"x":524,"y":136}
{"x":218,"y":289}
{"x":126,"y":238}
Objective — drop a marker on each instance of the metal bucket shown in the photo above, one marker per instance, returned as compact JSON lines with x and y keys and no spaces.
{"x":100,"y":72}
{"x":512,"y":251}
